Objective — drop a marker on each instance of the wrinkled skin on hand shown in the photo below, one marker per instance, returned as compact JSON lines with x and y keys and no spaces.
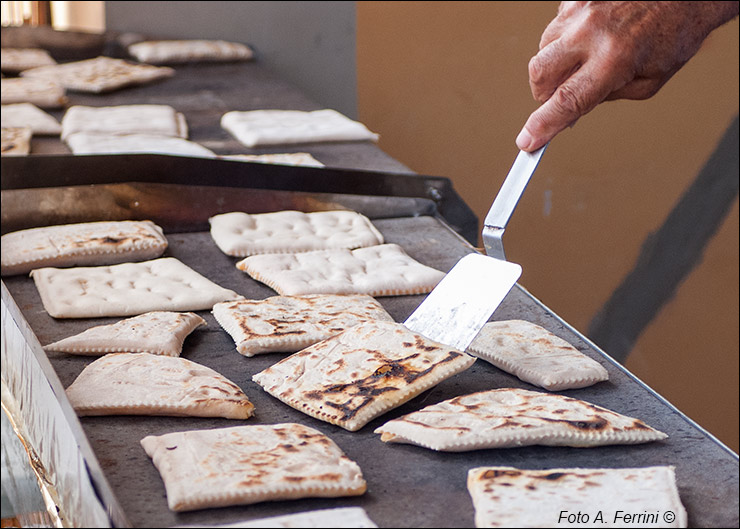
{"x":598,"y":51}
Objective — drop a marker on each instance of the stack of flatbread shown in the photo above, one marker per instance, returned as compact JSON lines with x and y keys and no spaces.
{"x":128,"y":129}
{"x":250,"y":464}
{"x":282,"y":127}
{"x":160,"y":333}
{"x":504,"y":418}
{"x":86,"y":243}
{"x":569,"y":497}
{"x":147,"y":384}
{"x":189,"y":51}
{"x":99,"y":75}
{"x":361,"y":373}
{"x":290,"y":323}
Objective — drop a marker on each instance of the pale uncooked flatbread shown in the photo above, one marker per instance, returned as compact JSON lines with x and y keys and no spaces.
{"x":383,"y":270}
{"x":161,"y":333}
{"x":185,"y":51}
{"x":536,"y":355}
{"x":91,"y":143}
{"x":16,"y":141}
{"x":85,"y":243}
{"x":155,"y":120}
{"x":289,"y":158}
{"x":504,"y":418}
{"x":126,"y":289}
{"x":290,"y":323}
{"x":147,"y":384}
{"x":576,"y":497}
{"x":14,"y":60}
{"x":321,"y":519}
{"x":98,"y":75}
{"x":281,"y":127}
{"x":241,"y":234}
{"x":43,"y":93}
{"x":251,"y":464}
{"x":357,"y":375}
{"x":29,"y":115}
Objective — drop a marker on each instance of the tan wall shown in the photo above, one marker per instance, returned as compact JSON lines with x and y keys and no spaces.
{"x":446,"y":87}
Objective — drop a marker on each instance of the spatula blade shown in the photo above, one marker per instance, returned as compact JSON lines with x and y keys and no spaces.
{"x":458,"y":307}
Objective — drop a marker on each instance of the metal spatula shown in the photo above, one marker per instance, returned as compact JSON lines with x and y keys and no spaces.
{"x":458,"y":307}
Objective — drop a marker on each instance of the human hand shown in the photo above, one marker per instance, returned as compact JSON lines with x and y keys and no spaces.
{"x":598,"y":51}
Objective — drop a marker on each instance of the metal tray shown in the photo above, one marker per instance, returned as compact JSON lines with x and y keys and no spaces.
{"x":408,"y":486}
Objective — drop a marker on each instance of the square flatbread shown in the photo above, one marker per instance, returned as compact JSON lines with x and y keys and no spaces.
{"x":126,"y":289}
{"x":14,"y":60}
{"x":357,"y":375}
{"x":241,"y":234}
{"x":85,"y":243}
{"x":384,"y":270}
{"x":93,"y":143}
{"x":288,"y":324}
{"x":156,"y":120}
{"x":29,"y":115}
{"x":251,"y":464}
{"x":147,"y":384}
{"x":16,"y":141}
{"x":99,"y":75}
{"x":188,"y":51}
{"x":43,"y":93}
{"x":290,"y":158}
{"x":505,"y":418}
{"x":536,"y":355}
{"x":160,"y":333}
{"x":282,"y":127}
{"x":576,"y":497}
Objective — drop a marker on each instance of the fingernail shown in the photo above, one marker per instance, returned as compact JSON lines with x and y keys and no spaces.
{"x":524,"y":140}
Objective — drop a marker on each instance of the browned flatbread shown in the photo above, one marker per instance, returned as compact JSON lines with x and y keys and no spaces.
{"x":147,"y":384}
{"x":251,"y":464}
{"x":357,"y":375}
{"x":576,"y":497}
{"x":504,"y":418}
{"x":288,"y":324}
{"x":86,"y":243}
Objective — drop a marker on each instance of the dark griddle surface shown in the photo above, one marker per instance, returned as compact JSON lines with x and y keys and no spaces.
{"x":408,"y":486}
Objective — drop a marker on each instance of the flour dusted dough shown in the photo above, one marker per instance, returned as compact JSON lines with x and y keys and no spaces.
{"x":241,"y":234}
{"x":29,"y":115}
{"x":147,"y":384}
{"x":291,"y":323}
{"x":84,"y":243}
{"x":281,"y":127}
{"x":14,"y":60}
{"x":511,"y":497}
{"x":369,"y":369}
{"x":99,"y":75}
{"x":187,"y":51}
{"x":536,"y":355}
{"x":126,"y":289}
{"x":504,"y":418}
{"x":16,"y":141}
{"x":383,"y":270}
{"x":158,"y":332}
{"x":93,"y":143}
{"x":250,"y":464}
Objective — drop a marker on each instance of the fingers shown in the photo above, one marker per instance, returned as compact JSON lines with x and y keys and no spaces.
{"x":573,"y":98}
{"x":555,"y":63}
